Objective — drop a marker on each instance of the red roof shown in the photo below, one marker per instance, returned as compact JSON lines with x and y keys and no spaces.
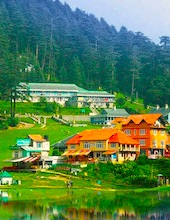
{"x":137,"y":119}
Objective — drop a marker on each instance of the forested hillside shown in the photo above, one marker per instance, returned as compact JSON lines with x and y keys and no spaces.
{"x":45,"y":41}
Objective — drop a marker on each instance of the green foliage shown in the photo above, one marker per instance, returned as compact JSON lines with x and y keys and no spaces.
{"x":141,"y":173}
{"x":4,"y":125}
{"x":48,"y":107}
{"x":145,"y":181}
{"x":142,"y":159}
{"x":13,"y":122}
{"x":168,"y":128}
{"x":89,"y":53}
{"x":51,"y":107}
{"x":56,"y":152}
{"x":120,"y":100}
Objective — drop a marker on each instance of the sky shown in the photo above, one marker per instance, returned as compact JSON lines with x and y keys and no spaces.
{"x":151,"y":17}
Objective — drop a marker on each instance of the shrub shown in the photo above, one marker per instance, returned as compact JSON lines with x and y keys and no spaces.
{"x":3,"y":125}
{"x":13,"y":122}
{"x":144,"y":181}
{"x":56,"y":152}
{"x":142,"y":160}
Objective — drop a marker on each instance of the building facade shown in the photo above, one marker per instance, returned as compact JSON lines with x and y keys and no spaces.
{"x":62,"y":93}
{"x":165,"y":111}
{"x":29,"y":150}
{"x":108,"y":144}
{"x":149,"y":131}
{"x":108,"y":115}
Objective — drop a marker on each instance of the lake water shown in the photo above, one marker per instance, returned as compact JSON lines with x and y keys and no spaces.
{"x":94,"y":205}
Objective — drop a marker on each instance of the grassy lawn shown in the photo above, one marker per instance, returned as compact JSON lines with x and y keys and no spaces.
{"x":37,"y":109}
{"x":47,"y":185}
{"x":54,"y":130}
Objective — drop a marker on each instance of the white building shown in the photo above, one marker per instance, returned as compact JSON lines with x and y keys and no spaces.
{"x":61,"y":93}
{"x":5,"y":178}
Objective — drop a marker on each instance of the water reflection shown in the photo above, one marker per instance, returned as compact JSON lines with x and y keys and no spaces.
{"x":90,"y":206}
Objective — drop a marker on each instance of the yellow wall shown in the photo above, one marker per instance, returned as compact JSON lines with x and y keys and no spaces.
{"x":77,"y":147}
{"x":158,"y":137}
{"x":93,"y":145}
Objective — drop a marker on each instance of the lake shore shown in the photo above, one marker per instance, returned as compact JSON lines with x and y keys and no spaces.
{"x":49,"y":184}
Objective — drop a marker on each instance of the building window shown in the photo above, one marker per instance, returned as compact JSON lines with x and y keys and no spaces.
{"x":39,"y":145}
{"x":155,"y":132}
{"x":142,"y":131}
{"x":162,"y":132}
{"x":127,"y":131}
{"x":162,"y":143}
{"x":135,"y":132}
{"x":86,"y":145}
{"x":98,"y":155}
{"x":113,"y":145}
{"x":142,"y":142}
{"x":154,"y":143}
{"x":72,"y":147}
{"x":16,"y":154}
{"x":99,"y":144}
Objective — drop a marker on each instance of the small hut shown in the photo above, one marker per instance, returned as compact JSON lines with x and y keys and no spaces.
{"x":5,"y":178}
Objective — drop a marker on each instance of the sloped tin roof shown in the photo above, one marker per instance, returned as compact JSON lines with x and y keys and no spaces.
{"x":53,"y":87}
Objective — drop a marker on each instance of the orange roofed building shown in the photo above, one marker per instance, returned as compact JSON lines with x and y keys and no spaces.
{"x":149,"y":131}
{"x":108,"y":144}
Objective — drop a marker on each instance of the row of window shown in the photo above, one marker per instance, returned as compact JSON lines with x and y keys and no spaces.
{"x":142,"y":142}
{"x":98,"y":144}
{"x":142,"y":132}
{"x":52,"y":93}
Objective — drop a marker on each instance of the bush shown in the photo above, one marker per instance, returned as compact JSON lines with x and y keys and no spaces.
{"x":142,"y":160}
{"x":3,"y":125}
{"x":13,"y":122}
{"x":144,"y":181}
{"x":50,"y":107}
{"x":56,"y":152}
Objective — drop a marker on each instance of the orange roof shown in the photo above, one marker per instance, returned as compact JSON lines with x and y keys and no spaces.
{"x":97,"y":134}
{"x":137,"y":119}
{"x":74,"y":140}
{"x":36,"y":137}
{"x":108,"y":152}
{"x":122,"y":138}
{"x":111,"y":134}
{"x":118,"y":120}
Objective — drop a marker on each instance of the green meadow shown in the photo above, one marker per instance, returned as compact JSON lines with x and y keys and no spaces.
{"x":54,"y":130}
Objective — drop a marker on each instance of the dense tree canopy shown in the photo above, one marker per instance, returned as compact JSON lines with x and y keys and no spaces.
{"x":45,"y":41}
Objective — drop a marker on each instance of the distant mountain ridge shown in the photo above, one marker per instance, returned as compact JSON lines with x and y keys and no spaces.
{"x":45,"y":41}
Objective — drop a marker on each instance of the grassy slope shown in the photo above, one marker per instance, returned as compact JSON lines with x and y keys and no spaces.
{"x":54,"y":130}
